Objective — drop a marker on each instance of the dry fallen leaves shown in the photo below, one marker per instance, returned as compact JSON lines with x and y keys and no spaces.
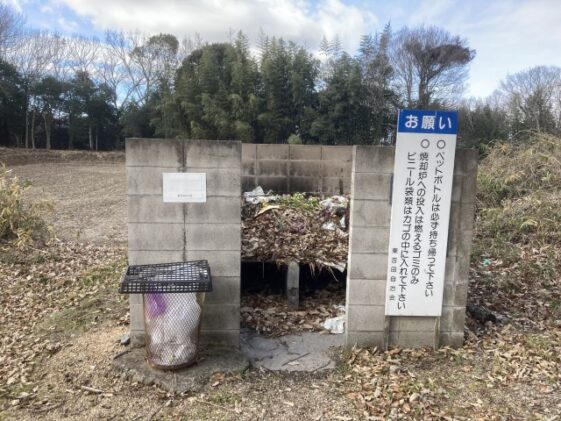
{"x":272,"y":316}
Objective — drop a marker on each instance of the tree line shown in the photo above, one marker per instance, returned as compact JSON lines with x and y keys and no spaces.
{"x":75,"y":92}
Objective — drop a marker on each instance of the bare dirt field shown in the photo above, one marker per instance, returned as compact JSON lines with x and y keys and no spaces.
{"x":61,"y":319}
{"x":89,"y":197}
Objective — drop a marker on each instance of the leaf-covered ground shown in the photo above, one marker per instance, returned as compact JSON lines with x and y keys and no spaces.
{"x":61,"y":319}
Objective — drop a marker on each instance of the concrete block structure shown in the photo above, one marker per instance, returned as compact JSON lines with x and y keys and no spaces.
{"x":368,"y":256}
{"x":172,"y":232}
{"x":297,"y":168}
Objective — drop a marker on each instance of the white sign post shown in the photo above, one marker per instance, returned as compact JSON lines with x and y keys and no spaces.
{"x":422,"y":194}
{"x":184,"y":187}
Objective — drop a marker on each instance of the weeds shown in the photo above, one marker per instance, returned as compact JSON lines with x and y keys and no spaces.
{"x":20,"y":224}
{"x":517,"y":245}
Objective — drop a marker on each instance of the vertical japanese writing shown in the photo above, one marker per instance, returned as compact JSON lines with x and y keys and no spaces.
{"x":407,"y":222}
{"x":419,"y":213}
{"x":420,"y":210}
{"x":435,"y":218}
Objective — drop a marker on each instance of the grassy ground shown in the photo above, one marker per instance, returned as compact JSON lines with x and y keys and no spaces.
{"x":61,"y":319}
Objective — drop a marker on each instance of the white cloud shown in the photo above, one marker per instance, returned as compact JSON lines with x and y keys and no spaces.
{"x":296,"y":20}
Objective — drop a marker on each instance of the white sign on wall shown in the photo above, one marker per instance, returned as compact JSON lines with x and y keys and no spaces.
{"x":184,"y":187}
{"x":422,"y":193}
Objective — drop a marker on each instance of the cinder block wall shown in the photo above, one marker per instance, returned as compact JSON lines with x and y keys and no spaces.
{"x":170,"y":232}
{"x":297,"y":168}
{"x":368,"y":256}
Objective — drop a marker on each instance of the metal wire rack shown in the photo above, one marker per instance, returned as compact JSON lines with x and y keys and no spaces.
{"x":180,"y":277}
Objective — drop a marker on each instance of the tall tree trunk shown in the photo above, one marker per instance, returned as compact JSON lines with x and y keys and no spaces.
{"x":33,"y":130}
{"x":46,"y":119}
{"x":90,"y":136}
{"x":26,"y":129}
{"x":70,"y":133}
{"x":96,"y":139}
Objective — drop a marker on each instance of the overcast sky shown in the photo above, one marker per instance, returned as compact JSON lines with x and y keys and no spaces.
{"x":508,"y":35}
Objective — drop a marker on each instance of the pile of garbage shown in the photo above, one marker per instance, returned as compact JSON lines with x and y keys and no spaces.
{"x":302,"y":228}
{"x":270,"y":315}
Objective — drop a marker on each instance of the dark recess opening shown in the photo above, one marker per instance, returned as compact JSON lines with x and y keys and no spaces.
{"x":269,"y":278}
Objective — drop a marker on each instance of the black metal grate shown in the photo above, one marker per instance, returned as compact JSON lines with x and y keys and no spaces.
{"x":181,"y":277}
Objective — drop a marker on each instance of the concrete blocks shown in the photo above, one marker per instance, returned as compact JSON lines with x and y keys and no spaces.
{"x":370,"y":239}
{"x":221,"y":316}
{"x":173,"y":232}
{"x":368,"y":266}
{"x":365,"y":318}
{"x":276,"y":152}
{"x":366,"y":292}
{"x":212,"y":154}
{"x":225,"y":289}
{"x":370,"y":213}
{"x":368,"y":248}
{"x":220,"y":338}
{"x":151,"y":209}
{"x":452,"y":319}
{"x":150,"y":257}
{"x":297,"y":168}
{"x":157,"y":237}
{"x":306,"y":169}
{"x":249,"y":168}
{"x":249,"y":152}
{"x":337,"y":153}
{"x":222,"y":182}
{"x":372,"y":186}
{"x":225,"y":209}
{"x":466,"y":161}
{"x":455,"y":292}
{"x":154,"y":152}
{"x":412,"y":339}
{"x":222,"y":263}
{"x":414,"y":324}
{"x":363,"y":339}
{"x":374,"y":159}
{"x":213,"y":237}
{"x":451,"y":339}
{"x":272,"y":167}
{"x":304,"y":152}
{"x":336,"y":185}
{"x":334,"y":168}
{"x":276,"y":184}
{"x":147,"y":180}
{"x":305,"y":184}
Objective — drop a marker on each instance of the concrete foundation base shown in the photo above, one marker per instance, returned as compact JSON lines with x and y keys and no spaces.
{"x":191,"y":379}
{"x":309,"y":352}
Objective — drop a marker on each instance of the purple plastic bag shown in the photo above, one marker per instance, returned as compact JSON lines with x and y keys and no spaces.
{"x":156,"y":304}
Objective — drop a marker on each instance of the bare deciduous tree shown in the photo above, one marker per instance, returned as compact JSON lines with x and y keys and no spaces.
{"x":532,"y":98}
{"x":32,"y":55}
{"x":430,"y":65}
{"x":11,"y":26}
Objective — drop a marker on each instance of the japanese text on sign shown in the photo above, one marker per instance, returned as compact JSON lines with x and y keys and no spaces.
{"x":422,"y":190}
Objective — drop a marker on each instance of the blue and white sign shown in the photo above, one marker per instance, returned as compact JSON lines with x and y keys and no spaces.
{"x":421,"y":201}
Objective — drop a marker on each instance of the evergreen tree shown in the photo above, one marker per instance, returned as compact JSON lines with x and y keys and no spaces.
{"x":12,"y":105}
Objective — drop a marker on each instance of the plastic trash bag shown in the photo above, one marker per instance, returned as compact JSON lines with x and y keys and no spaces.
{"x":172,"y":328}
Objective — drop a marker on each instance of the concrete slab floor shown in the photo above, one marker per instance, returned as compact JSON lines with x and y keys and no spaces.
{"x":190,"y":379}
{"x":309,"y":351}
